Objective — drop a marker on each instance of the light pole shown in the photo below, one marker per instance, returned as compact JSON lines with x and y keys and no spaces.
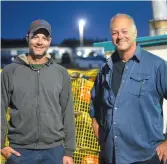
{"x":81,"y":31}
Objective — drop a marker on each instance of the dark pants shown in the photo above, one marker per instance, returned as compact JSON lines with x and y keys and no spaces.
{"x":153,"y":160}
{"x":45,"y":156}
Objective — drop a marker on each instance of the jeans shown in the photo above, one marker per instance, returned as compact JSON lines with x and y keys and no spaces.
{"x":40,"y":156}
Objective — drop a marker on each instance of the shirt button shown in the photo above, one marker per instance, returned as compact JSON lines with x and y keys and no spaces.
{"x":123,"y":81}
{"x":115,"y":137}
{"x":116,"y":108}
{"x":114,"y":123}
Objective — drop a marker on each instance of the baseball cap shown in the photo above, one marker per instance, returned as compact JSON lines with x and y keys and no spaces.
{"x":38,"y":24}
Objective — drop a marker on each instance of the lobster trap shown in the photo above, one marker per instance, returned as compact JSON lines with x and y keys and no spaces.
{"x":83,"y":156}
{"x":81,"y":94}
{"x":84,"y":132}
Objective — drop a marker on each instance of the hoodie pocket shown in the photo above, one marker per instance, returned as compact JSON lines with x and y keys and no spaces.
{"x":22,"y":127}
{"x":51,"y":128}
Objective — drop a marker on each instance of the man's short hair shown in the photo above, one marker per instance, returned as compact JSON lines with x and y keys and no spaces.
{"x":126,"y":15}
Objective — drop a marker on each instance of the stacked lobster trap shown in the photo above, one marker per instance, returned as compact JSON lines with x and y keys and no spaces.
{"x":87,"y":146}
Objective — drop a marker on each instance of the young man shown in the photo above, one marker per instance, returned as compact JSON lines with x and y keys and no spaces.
{"x":126,"y":101}
{"x":38,"y":91}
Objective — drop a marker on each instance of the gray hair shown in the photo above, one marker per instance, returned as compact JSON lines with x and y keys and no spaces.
{"x":125,"y":15}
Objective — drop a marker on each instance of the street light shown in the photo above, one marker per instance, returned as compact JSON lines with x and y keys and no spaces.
{"x":81,"y":31}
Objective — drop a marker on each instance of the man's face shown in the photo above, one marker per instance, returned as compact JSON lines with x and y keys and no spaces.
{"x":39,"y":42}
{"x":123,"y":33}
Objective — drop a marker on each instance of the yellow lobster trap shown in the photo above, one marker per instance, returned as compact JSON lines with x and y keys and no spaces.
{"x":90,"y":74}
{"x":87,"y":146}
{"x":83,"y":156}
{"x":82,"y":83}
{"x":81,"y":94}
{"x":84,"y":132}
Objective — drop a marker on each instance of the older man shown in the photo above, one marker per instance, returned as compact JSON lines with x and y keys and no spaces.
{"x":126,"y":101}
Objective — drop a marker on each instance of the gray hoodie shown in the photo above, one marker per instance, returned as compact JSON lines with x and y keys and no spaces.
{"x":42,"y":114}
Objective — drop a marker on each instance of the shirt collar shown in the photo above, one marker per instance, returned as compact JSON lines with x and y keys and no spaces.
{"x":137,"y":54}
{"x":136,"y":57}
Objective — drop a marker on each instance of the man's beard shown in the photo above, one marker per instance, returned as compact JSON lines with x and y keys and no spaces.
{"x":39,"y":56}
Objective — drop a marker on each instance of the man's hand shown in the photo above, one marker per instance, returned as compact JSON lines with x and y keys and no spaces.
{"x":162,"y":152}
{"x":67,"y":160}
{"x":95,"y":126}
{"x":7,"y":151}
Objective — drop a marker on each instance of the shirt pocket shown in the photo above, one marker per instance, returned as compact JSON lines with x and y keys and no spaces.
{"x":138,"y":84}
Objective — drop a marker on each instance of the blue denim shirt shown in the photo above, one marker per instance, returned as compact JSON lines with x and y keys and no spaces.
{"x":132,"y":122}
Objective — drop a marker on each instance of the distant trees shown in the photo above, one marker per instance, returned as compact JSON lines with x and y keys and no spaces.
{"x":70,"y":42}
{"x":5,"y":43}
{"x":75,"y":42}
{"x":15,"y":43}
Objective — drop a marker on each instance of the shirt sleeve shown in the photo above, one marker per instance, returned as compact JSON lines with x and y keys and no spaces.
{"x":95,"y":98}
{"x":5,"y":100}
{"x":161,"y":79}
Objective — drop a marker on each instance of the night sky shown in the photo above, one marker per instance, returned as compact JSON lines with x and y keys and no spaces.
{"x":63,"y":17}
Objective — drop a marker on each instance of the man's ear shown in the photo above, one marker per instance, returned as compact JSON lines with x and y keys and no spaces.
{"x":135,"y":33}
{"x":50,"y":40}
{"x":27,"y":38}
